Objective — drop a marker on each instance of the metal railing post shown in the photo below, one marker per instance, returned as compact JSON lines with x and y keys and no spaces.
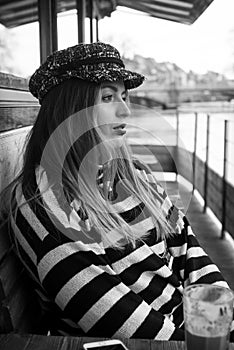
{"x":177,"y":140}
{"x":81,"y":14}
{"x":206,"y":162}
{"x":195,"y":152}
{"x":91,"y":20}
{"x":97,"y":29}
{"x":224,"y":178}
{"x":177,"y":128}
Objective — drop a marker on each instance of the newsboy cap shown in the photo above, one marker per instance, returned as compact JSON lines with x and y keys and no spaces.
{"x":96,"y":62}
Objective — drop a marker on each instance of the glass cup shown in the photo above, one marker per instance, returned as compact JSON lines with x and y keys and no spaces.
{"x":208,"y":313}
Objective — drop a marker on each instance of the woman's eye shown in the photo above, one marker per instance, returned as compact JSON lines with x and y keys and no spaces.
{"x":107,"y":98}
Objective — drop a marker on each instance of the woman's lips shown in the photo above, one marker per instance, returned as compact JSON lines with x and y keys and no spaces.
{"x":120,"y":129}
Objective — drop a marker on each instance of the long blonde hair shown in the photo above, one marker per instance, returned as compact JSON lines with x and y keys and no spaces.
{"x":65,"y":143}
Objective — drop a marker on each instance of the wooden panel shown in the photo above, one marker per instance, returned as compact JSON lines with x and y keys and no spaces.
{"x":230,"y":194}
{"x":35,"y":342}
{"x":17,"y":108}
{"x":5,"y":249}
{"x":199,"y":176}
{"x":10,"y":81}
{"x":11,"y":144}
{"x":229,"y":210}
{"x":215,"y":179}
{"x":14,"y":92}
{"x":184,"y":164}
{"x":230,"y":225}
{"x":214,"y":193}
{"x":13,"y":118}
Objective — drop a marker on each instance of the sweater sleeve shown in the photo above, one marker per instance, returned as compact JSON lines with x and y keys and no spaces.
{"x":190,"y":262}
{"x":84,"y":286}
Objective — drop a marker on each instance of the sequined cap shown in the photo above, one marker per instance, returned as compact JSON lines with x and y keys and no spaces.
{"x":96,"y":62}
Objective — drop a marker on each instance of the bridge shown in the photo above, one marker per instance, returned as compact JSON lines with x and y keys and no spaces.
{"x":173,"y":95}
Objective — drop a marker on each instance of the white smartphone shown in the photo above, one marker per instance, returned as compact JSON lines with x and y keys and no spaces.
{"x":112,"y":344}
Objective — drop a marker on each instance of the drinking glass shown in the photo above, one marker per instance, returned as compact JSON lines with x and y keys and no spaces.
{"x":208,"y":313}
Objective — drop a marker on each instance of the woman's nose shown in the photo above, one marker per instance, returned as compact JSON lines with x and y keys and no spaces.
{"x":123,"y":110}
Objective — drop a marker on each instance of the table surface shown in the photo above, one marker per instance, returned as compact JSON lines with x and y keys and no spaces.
{"x":39,"y":342}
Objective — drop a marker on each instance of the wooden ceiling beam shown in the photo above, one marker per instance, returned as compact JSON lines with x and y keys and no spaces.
{"x":176,"y":16}
{"x":153,"y":7}
{"x":9,"y":6}
{"x":18,"y":12}
{"x":166,"y":3}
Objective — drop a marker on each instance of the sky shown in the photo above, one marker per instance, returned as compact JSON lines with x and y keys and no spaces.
{"x":208,"y":44}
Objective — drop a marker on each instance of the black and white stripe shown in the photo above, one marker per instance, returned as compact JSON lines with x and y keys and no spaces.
{"x":103,"y":291}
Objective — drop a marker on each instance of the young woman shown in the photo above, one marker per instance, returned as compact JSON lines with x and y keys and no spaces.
{"x":108,"y":251}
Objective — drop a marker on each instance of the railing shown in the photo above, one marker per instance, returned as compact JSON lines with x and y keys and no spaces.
{"x":198,"y":144}
{"x":212,"y":150}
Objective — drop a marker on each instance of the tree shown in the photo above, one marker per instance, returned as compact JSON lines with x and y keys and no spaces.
{"x":7,"y":44}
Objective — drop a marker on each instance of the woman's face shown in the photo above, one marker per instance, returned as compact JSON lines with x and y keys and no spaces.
{"x":112,"y":111}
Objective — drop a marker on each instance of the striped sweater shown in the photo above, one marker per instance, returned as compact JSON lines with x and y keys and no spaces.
{"x":89,"y":289}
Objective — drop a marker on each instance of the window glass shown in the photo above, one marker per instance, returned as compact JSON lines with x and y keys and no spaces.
{"x":19,"y":57}
{"x":19,"y":49}
{"x":67,"y":29}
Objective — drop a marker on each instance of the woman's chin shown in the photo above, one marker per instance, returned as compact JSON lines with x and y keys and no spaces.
{"x":117,"y":142}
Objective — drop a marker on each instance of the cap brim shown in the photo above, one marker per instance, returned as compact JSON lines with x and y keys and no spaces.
{"x":112,"y":73}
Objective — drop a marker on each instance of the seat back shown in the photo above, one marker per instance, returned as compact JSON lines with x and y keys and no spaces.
{"x":19,"y":309}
